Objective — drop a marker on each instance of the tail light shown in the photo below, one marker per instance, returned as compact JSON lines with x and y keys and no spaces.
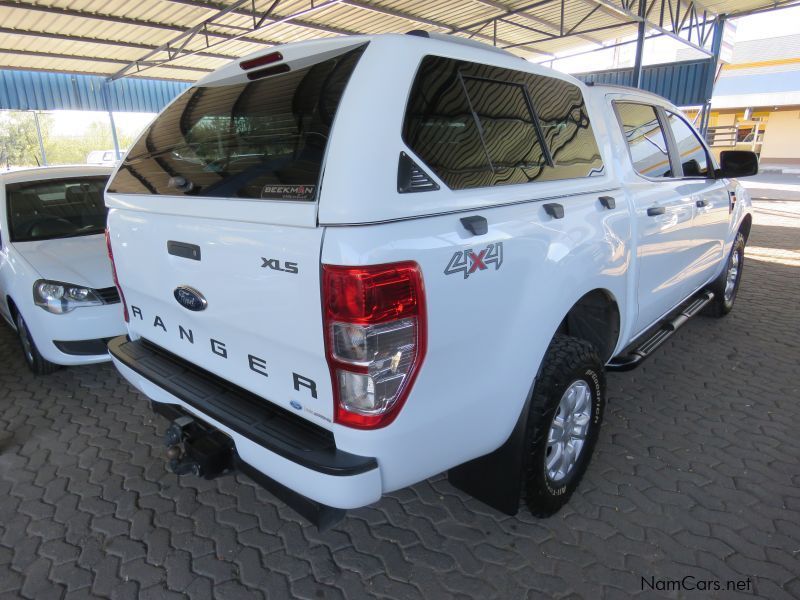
{"x":116,"y":280}
{"x":375,"y":337}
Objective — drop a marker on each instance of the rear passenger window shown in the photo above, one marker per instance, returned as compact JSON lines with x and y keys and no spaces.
{"x":479,"y":126}
{"x":646,"y":139}
{"x":693,"y":156}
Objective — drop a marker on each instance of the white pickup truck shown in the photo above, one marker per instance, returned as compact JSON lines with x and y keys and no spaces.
{"x":354,"y":263}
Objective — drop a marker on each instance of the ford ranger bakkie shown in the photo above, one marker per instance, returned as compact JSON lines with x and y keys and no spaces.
{"x":349,"y":264}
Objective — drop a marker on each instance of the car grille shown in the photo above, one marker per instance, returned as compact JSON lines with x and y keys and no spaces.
{"x":109,"y":295}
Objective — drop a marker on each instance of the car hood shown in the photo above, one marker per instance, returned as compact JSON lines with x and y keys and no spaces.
{"x":80,"y":260}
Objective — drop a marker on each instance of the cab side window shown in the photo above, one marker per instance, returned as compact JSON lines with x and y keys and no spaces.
{"x":478,"y":125}
{"x":692,"y":153}
{"x":646,"y":140}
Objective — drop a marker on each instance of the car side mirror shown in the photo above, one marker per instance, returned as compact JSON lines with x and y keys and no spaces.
{"x":737,"y":163}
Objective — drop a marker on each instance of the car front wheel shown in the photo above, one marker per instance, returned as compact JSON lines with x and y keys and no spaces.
{"x":35,"y":361}
{"x":726,"y":286}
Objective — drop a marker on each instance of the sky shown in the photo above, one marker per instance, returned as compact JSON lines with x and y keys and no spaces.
{"x":761,"y":26}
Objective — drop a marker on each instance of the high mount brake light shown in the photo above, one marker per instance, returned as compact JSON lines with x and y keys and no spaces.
{"x":260,"y":61}
{"x":116,"y":280}
{"x":375,"y":339}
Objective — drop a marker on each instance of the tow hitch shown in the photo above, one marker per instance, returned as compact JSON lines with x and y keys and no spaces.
{"x":195,"y":448}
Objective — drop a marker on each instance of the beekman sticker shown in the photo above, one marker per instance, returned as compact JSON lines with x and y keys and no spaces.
{"x":288,"y":192}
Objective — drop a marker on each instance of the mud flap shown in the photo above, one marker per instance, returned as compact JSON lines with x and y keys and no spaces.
{"x":496,"y":478}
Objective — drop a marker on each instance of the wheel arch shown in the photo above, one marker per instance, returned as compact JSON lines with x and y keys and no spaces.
{"x":594,"y":317}
{"x":746,"y":225}
{"x":13,"y":311}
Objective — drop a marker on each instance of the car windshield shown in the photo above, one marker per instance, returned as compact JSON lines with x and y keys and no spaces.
{"x":56,"y":208}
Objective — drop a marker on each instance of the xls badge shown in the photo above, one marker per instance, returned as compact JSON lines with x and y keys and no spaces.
{"x":472,"y":261}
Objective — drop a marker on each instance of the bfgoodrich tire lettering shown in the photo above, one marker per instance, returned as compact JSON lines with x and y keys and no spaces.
{"x":570,"y":364}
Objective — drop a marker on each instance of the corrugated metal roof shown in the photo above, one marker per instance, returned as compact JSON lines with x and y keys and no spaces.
{"x":36,"y":90}
{"x":101,"y":37}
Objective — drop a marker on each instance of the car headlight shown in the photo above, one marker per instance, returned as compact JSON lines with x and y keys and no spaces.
{"x":59,"y":298}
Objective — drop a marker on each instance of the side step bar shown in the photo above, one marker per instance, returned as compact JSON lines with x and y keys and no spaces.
{"x":634,"y":355}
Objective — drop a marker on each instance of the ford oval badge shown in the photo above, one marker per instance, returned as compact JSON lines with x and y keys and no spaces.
{"x":189,"y":298}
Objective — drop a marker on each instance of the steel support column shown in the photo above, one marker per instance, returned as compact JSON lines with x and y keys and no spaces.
{"x":107,"y":102}
{"x":716,"y":46}
{"x":39,"y":135}
{"x":642,"y":27}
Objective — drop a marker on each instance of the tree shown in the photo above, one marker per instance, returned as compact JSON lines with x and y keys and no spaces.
{"x":19,"y":143}
{"x":74,"y":149}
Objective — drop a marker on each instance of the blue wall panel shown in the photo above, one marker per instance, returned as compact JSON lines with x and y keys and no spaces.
{"x":39,"y":90}
{"x":682,"y":83}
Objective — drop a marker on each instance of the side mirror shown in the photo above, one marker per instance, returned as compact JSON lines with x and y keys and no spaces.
{"x":737,"y":163}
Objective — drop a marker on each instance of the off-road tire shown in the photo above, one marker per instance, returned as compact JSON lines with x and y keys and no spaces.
{"x":568,"y":360}
{"x":722,"y":305}
{"x":35,"y":361}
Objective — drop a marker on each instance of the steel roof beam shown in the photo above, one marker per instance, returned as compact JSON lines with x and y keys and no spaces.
{"x":624,"y":10}
{"x":108,"y":18}
{"x":533,"y":18}
{"x":218,"y":6}
{"x":179,"y":43}
{"x":96,"y":59}
{"x":100,"y":41}
{"x":391,"y":12}
{"x":591,"y":30}
{"x":430,"y":22}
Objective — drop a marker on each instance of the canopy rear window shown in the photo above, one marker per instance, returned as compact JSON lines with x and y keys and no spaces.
{"x":261,"y":139}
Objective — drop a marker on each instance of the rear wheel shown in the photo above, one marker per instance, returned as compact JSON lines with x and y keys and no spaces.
{"x":36,"y":363}
{"x":726,"y":285}
{"x":563,"y":423}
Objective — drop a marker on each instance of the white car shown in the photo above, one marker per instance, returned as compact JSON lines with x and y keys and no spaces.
{"x":56,"y":286}
{"x":354,"y":263}
{"x":101,"y":157}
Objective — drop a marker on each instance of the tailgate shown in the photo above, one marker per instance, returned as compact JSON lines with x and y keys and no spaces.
{"x":241,"y":300}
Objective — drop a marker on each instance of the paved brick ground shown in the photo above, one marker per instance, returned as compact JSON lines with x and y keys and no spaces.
{"x":696,"y":473}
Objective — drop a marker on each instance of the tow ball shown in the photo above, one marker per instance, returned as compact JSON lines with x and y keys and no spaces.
{"x":198,"y":449}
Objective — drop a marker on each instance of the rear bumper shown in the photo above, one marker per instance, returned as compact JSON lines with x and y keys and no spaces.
{"x":284,"y":447}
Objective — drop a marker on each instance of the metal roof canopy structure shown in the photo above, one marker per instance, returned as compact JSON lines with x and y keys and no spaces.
{"x":184,"y":39}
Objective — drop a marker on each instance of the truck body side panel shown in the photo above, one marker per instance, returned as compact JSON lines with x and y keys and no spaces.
{"x":489,"y":323}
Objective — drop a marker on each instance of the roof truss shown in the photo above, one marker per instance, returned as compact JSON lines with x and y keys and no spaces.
{"x":182,"y":39}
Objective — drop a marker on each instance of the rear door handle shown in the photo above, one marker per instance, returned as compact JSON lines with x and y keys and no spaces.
{"x":654,"y":211}
{"x":554,"y":210}
{"x":608,"y":202}
{"x":476,"y":225}
{"x":700,"y":203}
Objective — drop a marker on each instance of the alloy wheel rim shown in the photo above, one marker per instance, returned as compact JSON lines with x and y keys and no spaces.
{"x":568,"y":431}
{"x":733,"y":275}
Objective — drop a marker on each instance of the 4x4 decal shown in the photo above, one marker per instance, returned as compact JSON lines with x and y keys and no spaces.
{"x":472,"y":261}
